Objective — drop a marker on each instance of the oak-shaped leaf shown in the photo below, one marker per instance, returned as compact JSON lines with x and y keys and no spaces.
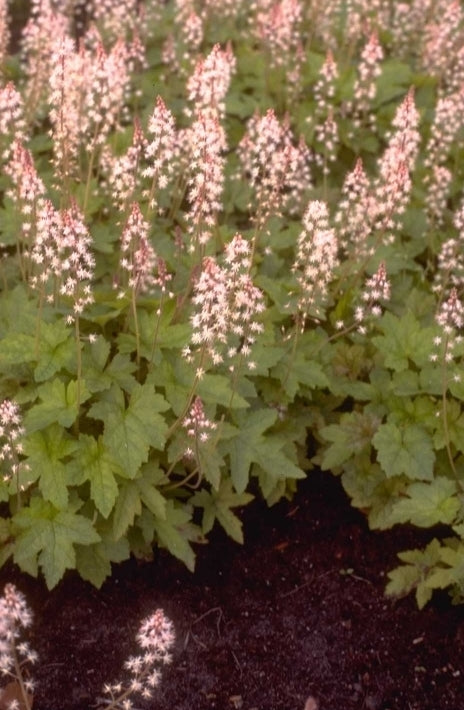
{"x":349,"y":438}
{"x":217,"y":505}
{"x":93,"y":562}
{"x":405,"y":450}
{"x":46,"y":536}
{"x":134,"y":494}
{"x":427,"y":504}
{"x":404,"y":340}
{"x":130,"y":431}
{"x":56,"y":350}
{"x":415,"y":573}
{"x":47,"y":451}
{"x":99,"y":467}
{"x":175,"y":532}
{"x":59,"y":404}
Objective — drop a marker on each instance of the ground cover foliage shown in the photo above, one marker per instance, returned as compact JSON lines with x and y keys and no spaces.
{"x":227,"y":227}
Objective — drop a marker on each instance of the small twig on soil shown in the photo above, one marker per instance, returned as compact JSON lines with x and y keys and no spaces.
{"x":237,"y":663}
{"x":306,"y":584}
{"x":199,"y":618}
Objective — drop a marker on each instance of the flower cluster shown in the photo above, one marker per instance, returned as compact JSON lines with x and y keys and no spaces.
{"x":182,"y":46}
{"x":12,"y":121}
{"x":65,"y":98}
{"x":27,"y":193}
{"x":160,"y":149}
{"x":4,"y":30}
{"x":447,"y":122}
{"x":407,"y":25}
{"x":11,"y":432}
{"x":15,"y":615}
{"x":324,"y":89}
{"x":277,"y":26}
{"x":362,"y":14}
{"x":276,"y":168}
{"x":197,"y":424}
{"x":442,"y":38}
{"x":327,"y":140}
{"x":376,"y":289}
{"x":450,"y":318}
{"x":316,"y":259}
{"x":393,"y":185}
{"x":124,"y":171}
{"x":226,"y":306}
{"x":155,"y":637}
{"x":355,"y":213}
{"x":121,"y":18}
{"x":138,"y":258}
{"x":369,"y":70}
{"x":207,"y":143}
{"x":208,"y":85}
{"x":450,"y":271}
{"x":438,"y":183}
{"x":77,"y":262}
{"x":106,"y":91}
{"x":46,"y":23}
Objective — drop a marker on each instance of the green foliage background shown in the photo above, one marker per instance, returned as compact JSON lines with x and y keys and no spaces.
{"x":103,"y":475}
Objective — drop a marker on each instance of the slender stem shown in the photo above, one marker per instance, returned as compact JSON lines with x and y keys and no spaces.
{"x":38,"y":326}
{"x":20,"y":679}
{"x":157,"y":327}
{"x":136,"y":325}
{"x":196,"y":472}
{"x":89,"y":171}
{"x":190,"y":397}
{"x":444,"y":405}
{"x":79,"y":370}
{"x":298,"y":327}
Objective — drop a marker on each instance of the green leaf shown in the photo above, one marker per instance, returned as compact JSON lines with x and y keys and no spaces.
{"x":56,"y":350}
{"x":99,"y":468}
{"x":59,"y":404}
{"x":405,"y":340}
{"x":168,"y":336}
{"x":249,"y":444}
{"x":218,"y":505}
{"x":172,"y":533}
{"x":16,"y":349}
{"x":454,"y":431}
{"x":415,"y":573}
{"x":407,"y":450}
{"x":120,"y":371}
{"x":45,"y":450}
{"x":129,"y":433}
{"x":94,"y":360}
{"x":395,"y":79}
{"x":295,"y":370}
{"x":47,"y":537}
{"x":428,"y":504}
{"x":350,"y":437}
{"x":93,"y":562}
{"x":211,"y":464}
{"x":216,"y":389}
{"x":18,"y":313}
{"x":128,"y":505}
{"x":150,"y":496}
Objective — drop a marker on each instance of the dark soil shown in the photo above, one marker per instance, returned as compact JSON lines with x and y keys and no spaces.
{"x":299,"y":611}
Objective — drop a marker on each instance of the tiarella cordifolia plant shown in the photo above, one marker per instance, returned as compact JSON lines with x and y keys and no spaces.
{"x":155,"y":638}
{"x":219,"y":239}
{"x":15,"y":654}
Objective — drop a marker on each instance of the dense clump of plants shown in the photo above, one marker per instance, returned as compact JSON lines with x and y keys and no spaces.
{"x":227,"y":227}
